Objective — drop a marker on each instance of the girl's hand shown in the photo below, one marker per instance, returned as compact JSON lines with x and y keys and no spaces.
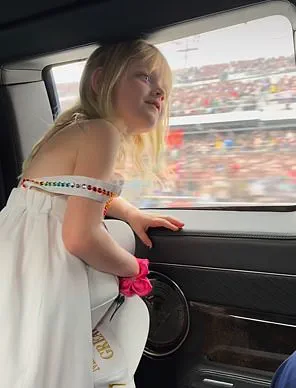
{"x":140,"y":222}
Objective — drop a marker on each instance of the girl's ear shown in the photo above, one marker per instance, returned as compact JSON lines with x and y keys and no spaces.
{"x":95,"y":79}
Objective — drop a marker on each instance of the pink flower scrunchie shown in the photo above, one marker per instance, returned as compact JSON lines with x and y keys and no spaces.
{"x":138,"y":285}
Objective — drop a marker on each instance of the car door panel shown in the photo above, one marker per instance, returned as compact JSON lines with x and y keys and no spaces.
{"x":240,"y":289}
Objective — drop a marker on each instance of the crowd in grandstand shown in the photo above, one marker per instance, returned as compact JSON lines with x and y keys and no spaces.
{"x":237,"y":167}
{"x":227,"y":96}
{"x":244,"y":85}
{"x":247,"y":68}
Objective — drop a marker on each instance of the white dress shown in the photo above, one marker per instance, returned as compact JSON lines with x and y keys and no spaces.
{"x":51,"y":301}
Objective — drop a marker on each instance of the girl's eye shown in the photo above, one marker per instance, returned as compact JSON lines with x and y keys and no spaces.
{"x":146,"y":77}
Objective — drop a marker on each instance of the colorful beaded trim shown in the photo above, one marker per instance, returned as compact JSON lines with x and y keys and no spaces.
{"x":73,"y":185}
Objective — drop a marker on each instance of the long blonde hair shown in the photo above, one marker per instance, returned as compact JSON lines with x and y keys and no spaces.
{"x":144,"y":149}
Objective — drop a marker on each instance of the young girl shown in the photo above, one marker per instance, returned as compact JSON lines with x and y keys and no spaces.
{"x":60,"y":268}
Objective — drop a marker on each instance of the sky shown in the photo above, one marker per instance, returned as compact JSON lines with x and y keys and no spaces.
{"x":267,"y":37}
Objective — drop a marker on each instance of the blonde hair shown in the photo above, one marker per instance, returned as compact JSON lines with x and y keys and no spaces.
{"x":144,"y":149}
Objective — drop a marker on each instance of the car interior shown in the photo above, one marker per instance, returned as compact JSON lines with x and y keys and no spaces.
{"x":222,"y":309}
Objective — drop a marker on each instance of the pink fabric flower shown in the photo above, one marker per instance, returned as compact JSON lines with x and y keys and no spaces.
{"x":143,"y":267}
{"x":142,"y":286}
{"x":125,"y":286}
{"x":139,"y":285}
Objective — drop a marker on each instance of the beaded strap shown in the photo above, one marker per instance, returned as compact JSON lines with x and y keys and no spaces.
{"x":79,"y":186}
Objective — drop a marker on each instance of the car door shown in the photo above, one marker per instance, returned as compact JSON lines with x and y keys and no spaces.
{"x":240,"y":289}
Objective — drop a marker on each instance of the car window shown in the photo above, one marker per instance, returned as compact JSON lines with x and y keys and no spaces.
{"x":232,"y":135}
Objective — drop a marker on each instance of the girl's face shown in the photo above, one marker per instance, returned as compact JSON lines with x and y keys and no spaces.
{"x":139,"y":98}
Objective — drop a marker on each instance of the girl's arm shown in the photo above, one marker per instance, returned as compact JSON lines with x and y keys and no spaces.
{"x":122,"y":209}
{"x":83,"y":232}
